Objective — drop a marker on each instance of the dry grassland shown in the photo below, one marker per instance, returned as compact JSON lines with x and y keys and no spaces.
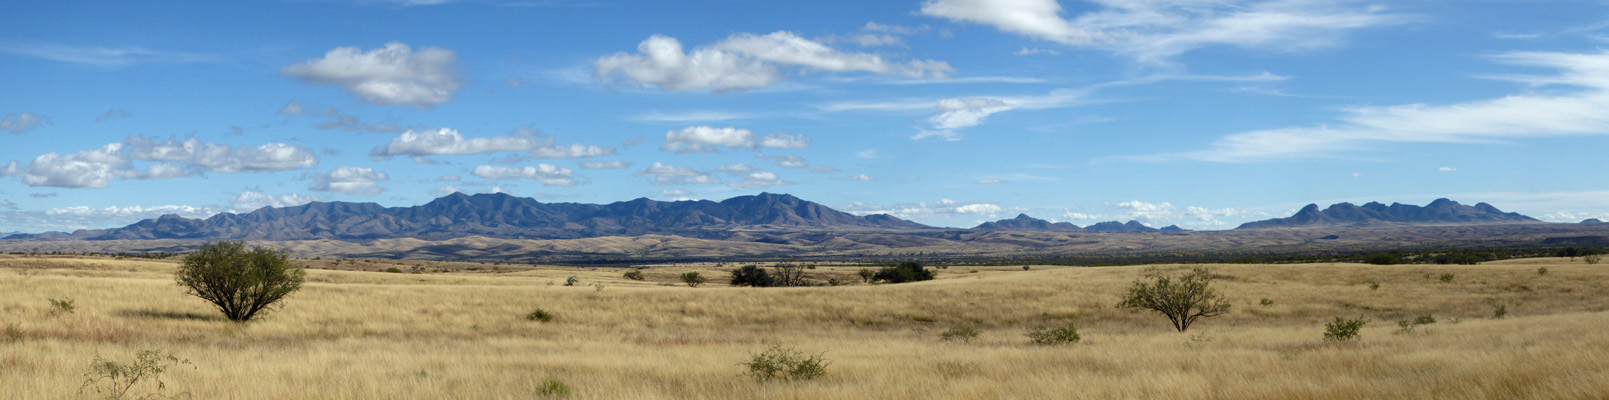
{"x":374,"y":335}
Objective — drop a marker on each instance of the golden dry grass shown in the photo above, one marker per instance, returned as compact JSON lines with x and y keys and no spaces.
{"x":364,"y":335}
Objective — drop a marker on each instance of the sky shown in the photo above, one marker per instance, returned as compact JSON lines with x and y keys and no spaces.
{"x":1198,"y":113}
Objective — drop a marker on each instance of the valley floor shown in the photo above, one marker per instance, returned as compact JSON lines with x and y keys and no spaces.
{"x":366,"y":335}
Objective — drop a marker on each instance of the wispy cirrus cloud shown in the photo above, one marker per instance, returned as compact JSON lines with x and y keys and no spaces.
{"x":744,"y":61}
{"x":109,"y":57}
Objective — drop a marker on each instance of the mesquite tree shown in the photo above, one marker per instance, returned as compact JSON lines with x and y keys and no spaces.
{"x":1182,"y":298}
{"x":241,"y":282}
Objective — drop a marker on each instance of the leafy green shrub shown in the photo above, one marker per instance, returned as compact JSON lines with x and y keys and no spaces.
{"x":539,"y":315}
{"x":785,"y":363}
{"x":554,"y":388}
{"x":240,"y":282}
{"x":751,"y":275}
{"x":693,"y":279}
{"x":1343,"y":330}
{"x":866,"y":275}
{"x":909,"y":271}
{"x":635,"y":275}
{"x":1053,"y":336}
{"x":1499,"y":310}
{"x":62,"y":306}
{"x":1265,"y":302}
{"x":1374,"y":285}
{"x":571,"y":281}
{"x":1447,"y":277}
{"x":1542,"y":271}
{"x":119,"y":381}
{"x":1182,"y":298}
{"x":1383,"y":259}
{"x":1025,"y":268}
{"x":959,"y":333}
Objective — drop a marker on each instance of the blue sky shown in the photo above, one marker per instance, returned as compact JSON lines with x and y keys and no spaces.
{"x":1200,"y":113}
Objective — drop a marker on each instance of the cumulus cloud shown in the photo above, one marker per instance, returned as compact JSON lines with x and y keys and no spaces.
{"x":941,"y":209}
{"x":662,"y":174}
{"x":217,"y":157}
{"x":97,"y":168}
{"x":449,"y":141}
{"x":756,"y":180}
{"x":859,"y":178}
{"x":349,"y":180}
{"x":251,"y":200}
{"x":736,"y":169}
{"x":20,"y":123}
{"x":744,"y":61}
{"x":1165,"y":213}
{"x":791,"y":162}
{"x":68,"y":219}
{"x":1156,"y":31}
{"x":675,"y":192}
{"x":705,"y":139}
{"x":1573,"y":110}
{"x":390,"y":75}
{"x":546,"y":174}
{"x":112,"y":114}
{"x":617,"y":164}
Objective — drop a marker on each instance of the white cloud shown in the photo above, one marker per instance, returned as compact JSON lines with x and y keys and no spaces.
{"x":1154,"y":31}
{"x":1530,"y":115}
{"x":292,"y":108}
{"x":744,"y":61}
{"x":991,"y":181}
{"x":546,"y":174}
{"x":1446,"y":169}
{"x":444,"y":190}
{"x":90,"y":169}
{"x":736,"y":169}
{"x":97,"y":168}
{"x":391,"y":75}
{"x":791,"y":162}
{"x":943,"y":208}
{"x":688,"y":116}
{"x":217,"y":157}
{"x":449,"y":141}
{"x":1165,"y":213}
{"x":1025,"y":51}
{"x":21,"y":123}
{"x":449,"y":178}
{"x":356,"y":181}
{"x":106,"y":56}
{"x":662,"y":174}
{"x":859,"y":178}
{"x":675,"y":192}
{"x":617,"y":164}
{"x":955,"y":114}
{"x":705,"y":139}
{"x":866,"y":154}
{"x":251,"y":200}
{"x":757,"y":180}
{"x":111,"y":114}
{"x":574,"y":150}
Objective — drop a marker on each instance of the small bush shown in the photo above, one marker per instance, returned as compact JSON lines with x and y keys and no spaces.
{"x":1447,"y":277}
{"x":11,"y":333}
{"x":693,"y":279}
{"x":1593,"y":259}
{"x":1383,"y":259}
{"x":1426,"y":319}
{"x":959,"y":333}
{"x":866,"y":275}
{"x":1405,"y":327}
{"x":1343,"y":330}
{"x":785,"y":363}
{"x":635,"y":275}
{"x":1054,"y":336}
{"x":1265,"y":302}
{"x":539,"y":315}
{"x":1499,"y":310}
{"x":751,"y":275}
{"x":554,"y":388}
{"x":62,"y":306}
{"x":120,"y":381}
{"x":1542,"y":271}
{"x":571,"y":281}
{"x":1374,"y":285}
{"x":1025,"y":268}
{"x":393,"y":270}
{"x":241,"y":282}
{"x":909,"y":271}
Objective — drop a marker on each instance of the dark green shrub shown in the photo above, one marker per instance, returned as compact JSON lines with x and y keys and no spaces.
{"x":693,"y":279}
{"x":959,"y":333}
{"x":751,"y":275}
{"x":635,"y":275}
{"x":1182,"y":298}
{"x":1265,"y":302}
{"x":866,"y":275}
{"x":554,"y":388}
{"x":62,"y":306}
{"x":1542,"y":271}
{"x":240,"y":282}
{"x":1053,"y":336}
{"x":1499,"y":310}
{"x":909,"y":271}
{"x":571,"y":281}
{"x":1383,"y":259}
{"x":1025,"y":268}
{"x":785,"y":363}
{"x":539,"y":315}
{"x":393,"y":270}
{"x":1426,"y":319}
{"x":1374,"y":285}
{"x":1343,"y":330}
{"x":1447,"y":277}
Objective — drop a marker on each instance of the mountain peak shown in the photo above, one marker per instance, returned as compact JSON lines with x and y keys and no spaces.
{"x":1439,"y":212}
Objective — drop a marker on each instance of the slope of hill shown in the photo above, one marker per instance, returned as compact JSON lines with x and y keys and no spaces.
{"x":500,"y":216}
{"x":1025,"y":223}
{"x":1114,"y":226}
{"x":1439,"y":212}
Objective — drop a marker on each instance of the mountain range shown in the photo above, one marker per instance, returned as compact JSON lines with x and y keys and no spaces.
{"x":1025,"y":223}
{"x":1438,"y":212}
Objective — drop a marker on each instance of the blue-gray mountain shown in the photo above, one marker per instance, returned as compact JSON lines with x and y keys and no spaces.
{"x":500,"y":216}
{"x":1439,"y":212}
{"x":1025,"y":223}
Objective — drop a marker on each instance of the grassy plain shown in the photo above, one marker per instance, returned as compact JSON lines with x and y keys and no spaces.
{"x":463,"y":334}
